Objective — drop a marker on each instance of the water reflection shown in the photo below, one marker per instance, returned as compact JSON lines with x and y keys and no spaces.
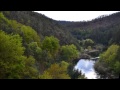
{"x":86,"y":67}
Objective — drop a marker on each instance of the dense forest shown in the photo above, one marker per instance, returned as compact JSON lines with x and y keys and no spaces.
{"x":33,"y":46}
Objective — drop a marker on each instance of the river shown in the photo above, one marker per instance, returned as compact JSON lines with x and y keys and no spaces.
{"x":87,"y":67}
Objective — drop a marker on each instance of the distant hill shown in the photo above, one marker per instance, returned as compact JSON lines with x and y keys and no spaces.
{"x":101,"y":21}
{"x":101,"y":30}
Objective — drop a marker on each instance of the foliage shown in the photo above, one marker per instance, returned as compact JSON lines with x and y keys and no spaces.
{"x":69,"y":53}
{"x":109,"y":64}
{"x":11,"y":56}
{"x":46,"y":75}
{"x":100,"y":30}
{"x":29,"y":35}
{"x":87,"y":42}
{"x":56,"y":71}
{"x":26,"y":32}
{"x":30,"y":71}
{"x":13,"y":63}
{"x":51,"y":45}
{"x":23,"y":55}
{"x":34,"y":57}
{"x":44,"y":26}
{"x":34,"y":50}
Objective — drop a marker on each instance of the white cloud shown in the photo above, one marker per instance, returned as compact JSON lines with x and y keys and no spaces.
{"x":75,"y":15}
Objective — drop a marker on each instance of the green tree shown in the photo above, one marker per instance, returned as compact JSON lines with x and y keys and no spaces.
{"x":34,"y":50}
{"x":109,"y":64}
{"x":11,"y":56}
{"x":50,"y":47}
{"x":69,"y":53}
{"x":56,"y":72}
{"x":64,"y":64}
{"x":51,"y":44}
{"x":29,"y":34}
{"x":46,"y":75}
{"x":88,"y":42}
{"x":30,"y":70}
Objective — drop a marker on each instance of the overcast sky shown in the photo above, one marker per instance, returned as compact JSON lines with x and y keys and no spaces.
{"x":75,"y":15}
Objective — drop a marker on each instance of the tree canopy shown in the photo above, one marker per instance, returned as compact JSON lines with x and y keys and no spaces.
{"x":11,"y":56}
{"x":69,"y":52}
{"x":109,"y":64}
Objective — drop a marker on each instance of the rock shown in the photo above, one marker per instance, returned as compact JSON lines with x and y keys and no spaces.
{"x":85,"y":56}
{"x":94,"y":53}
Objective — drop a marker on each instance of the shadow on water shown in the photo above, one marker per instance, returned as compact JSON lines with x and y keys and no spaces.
{"x":86,"y":66}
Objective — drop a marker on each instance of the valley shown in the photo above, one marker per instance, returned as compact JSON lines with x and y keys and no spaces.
{"x":34,"y":46}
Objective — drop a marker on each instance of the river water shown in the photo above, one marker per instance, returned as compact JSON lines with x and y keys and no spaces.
{"x":87,"y":67}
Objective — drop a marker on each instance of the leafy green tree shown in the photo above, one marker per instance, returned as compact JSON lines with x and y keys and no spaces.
{"x":64,"y":64}
{"x":11,"y":56}
{"x":51,"y":44}
{"x":34,"y":50}
{"x":29,"y":35}
{"x":88,"y":42}
{"x":56,"y":72}
{"x":50,"y":48}
{"x":117,"y":65}
{"x":46,"y":75}
{"x":109,"y":64}
{"x":69,"y":53}
{"x":13,"y":63}
{"x":30,"y":71}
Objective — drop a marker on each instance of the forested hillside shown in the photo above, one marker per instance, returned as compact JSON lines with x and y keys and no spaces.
{"x":102,"y":29}
{"x":33,"y":46}
{"x":43,"y":25}
{"x":27,"y":52}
